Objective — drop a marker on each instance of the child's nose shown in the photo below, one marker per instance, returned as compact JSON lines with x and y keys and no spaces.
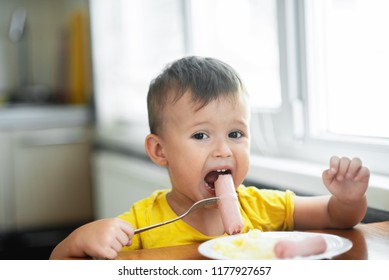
{"x":222,"y":149}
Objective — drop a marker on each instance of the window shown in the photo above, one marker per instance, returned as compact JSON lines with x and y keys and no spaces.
{"x":134,"y":39}
{"x":243,"y":34}
{"x":335,"y":69}
{"x":348,"y":52}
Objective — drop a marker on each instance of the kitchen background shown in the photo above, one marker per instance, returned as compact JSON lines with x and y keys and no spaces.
{"x":72,"y":122}
{"x":59,"y":168}
{"x":46,"y":124}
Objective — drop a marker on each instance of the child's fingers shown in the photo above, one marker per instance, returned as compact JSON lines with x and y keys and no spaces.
{"x":104,"y":253}
{"x":354,"y":167}
{"x":117,"y":245}
{"x":126,"y":227}
{"x":334,"y":164}
{"x":363,"y":174}
{"x":344,"y":164}
{"x":123,"y":238}
{"x":329,"y":174}
{"x":110,"y":254}
{"x":128,"y":231}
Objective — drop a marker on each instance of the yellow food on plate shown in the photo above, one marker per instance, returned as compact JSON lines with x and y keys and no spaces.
{"x":246,"y":246}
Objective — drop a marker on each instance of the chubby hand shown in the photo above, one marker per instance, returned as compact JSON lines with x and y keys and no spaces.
{"x":346,"y":179}
{"x":104,"y":239}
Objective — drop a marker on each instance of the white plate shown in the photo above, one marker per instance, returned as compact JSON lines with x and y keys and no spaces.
{"x":335,"y":245}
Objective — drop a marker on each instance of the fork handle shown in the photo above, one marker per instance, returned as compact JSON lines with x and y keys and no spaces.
{"x":139,"y":230}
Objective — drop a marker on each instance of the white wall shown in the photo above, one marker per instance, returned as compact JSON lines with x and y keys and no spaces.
{"x":119,"y":181}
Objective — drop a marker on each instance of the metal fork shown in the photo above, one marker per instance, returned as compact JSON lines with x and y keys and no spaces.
{"x":199,"y":204}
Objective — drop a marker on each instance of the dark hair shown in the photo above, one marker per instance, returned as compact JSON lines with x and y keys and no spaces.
{"x":207,"y":79}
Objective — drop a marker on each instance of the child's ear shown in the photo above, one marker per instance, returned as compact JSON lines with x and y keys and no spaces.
{"x":154,"y":149}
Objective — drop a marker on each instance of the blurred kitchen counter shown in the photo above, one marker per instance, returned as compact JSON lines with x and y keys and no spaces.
{"x":39,"y":116}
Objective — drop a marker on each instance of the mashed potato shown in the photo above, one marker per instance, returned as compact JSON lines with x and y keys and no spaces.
{"x":246,"y":246}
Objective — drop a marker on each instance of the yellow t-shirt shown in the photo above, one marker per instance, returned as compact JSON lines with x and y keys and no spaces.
{"x":267,"y":210}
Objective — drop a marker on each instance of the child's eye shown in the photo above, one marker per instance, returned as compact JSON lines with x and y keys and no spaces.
{"x":235,"y":134}
{"x":200,"y":136}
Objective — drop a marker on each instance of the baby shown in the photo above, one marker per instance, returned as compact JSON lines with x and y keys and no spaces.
{"x":199,"y":116}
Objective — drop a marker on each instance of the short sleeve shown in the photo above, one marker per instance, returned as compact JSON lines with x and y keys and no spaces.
{"x":267,"y":210}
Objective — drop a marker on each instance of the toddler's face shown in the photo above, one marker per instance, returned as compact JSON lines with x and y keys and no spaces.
{"x":198,"y":143}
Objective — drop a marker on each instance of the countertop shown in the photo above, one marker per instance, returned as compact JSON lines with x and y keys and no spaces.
{"x":39,"y":116}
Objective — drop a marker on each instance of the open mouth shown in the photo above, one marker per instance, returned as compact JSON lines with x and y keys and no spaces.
{"x":212,"y":176}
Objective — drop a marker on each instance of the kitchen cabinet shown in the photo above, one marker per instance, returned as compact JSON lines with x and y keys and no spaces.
{"x":4,"y":178}
{"x":121,"y":180}
{"x":45,"y":170}
{"x":51,"y":177}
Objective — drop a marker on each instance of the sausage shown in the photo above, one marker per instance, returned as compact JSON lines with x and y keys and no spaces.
{"x":311,"y":245}
{"x":228,"y":204}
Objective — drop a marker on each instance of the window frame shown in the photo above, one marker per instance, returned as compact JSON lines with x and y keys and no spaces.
{"x":287,"y":132}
